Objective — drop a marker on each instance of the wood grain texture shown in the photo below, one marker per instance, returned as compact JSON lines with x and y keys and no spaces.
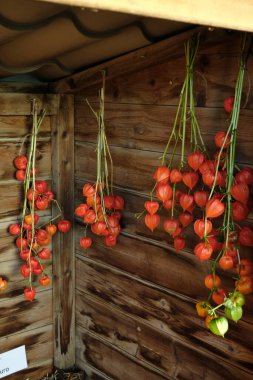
{"x":20,"y":104}
{"x":111,"y":361}
{"x":8,"y":151}
{"x":147,"y":127}
{"x":39,"y":350}
{"x":63,"y":245}
{"x":17,"y":127}
{"x":175,"y":358}
{"x":162,"y":311}
{"x":10,"y":270}
{"x":11,"y":196}
{"x":132,"y":168}
{"x":159,"y":264}
{"x":18,"y":315}
{"x":8,"y":249}
{"x":93,"y":373}
{"x":148,"y":60}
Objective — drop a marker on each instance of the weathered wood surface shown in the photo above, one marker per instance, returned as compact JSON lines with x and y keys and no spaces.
{"x":17,"y":127}
{"x":10,"y":270}
{"x":162,"y":311}
{"x":175,"y":358}
{"x":11,"y":195}
{"x":39,"y":349}
{"x":63,"y":245}
{"x":134,"y":77}
{"x":8,"y":248}
{"x":150,"y":262}
{"x":113,"y":362}
{"x":22,"y":322}
{"x":93,"y":373}
{"x":147,"y":127}
{"x":8,"y":151}
{"x":20,"y":104}
{"x":18,"y":315}
{"x":133,"y":169}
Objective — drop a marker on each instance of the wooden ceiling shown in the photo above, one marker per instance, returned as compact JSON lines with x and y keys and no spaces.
{"x":49,"y":41}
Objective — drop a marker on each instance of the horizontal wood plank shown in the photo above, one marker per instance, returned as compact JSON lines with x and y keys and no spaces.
{"x":8,"y":152}
{"x":39,"y":350}
{"x":175,"y":358}
{"x":10,"y":270}
{"x":147,"y":127}
{"x":142,"y":75}
{"x":132,"y":168}
{"x":20,"y":104}
{"x":162,"y":311}
{"x":93,"y":373}
{"x":111,"y":361}
{"x":11,"y":196}
{"x":18,"y":315}
{"x":19,"y":126}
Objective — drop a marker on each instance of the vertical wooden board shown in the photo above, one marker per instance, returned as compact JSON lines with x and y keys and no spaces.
{"x":63,"y":246}
{"x":39,"y":350}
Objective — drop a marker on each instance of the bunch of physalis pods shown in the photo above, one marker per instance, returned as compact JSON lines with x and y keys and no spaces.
{"x":231,"y":201}
{"x":102,"y":208}
{"x":32,"y":237}
{"x":210,"y":194}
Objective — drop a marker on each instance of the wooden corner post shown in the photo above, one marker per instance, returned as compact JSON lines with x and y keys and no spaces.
{"x":63,"y":248}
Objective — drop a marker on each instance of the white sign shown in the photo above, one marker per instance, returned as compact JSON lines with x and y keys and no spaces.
{"x":12,"y":361}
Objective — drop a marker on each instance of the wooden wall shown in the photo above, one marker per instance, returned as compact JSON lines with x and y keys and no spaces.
{"x":135,"y":302}
{"x":22,"y":322}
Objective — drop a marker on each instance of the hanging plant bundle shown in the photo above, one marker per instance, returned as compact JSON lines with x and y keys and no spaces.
{"x":232,"y":202}
{"x":178,"y":174}
{"x":101,"y":211}
{"x":33,"y":238}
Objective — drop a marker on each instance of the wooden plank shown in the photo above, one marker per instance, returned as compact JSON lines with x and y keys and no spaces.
{"x":18,"y":315}
{"x":39,"y":349}
{"x":17,"y":127}
{"x":20,"y":104}
{"x":132,"y":168}
{"x":93,"y":373}
{"x":30,"y":88}
{"x":8,"y":248}
{"x":10,"y":270}
{"x":175,"y":358}
{"x":237,"y":15}
{"x":8,"y":151}
{"x":161,"y":83}
{"x":110,"y":360}
{"x":160,"y":265}
{"x":147,"y":127}
{"x":154,"y":74}
{"x":11,"y":196}
{"x":162,"y":311}
{"x":63,"y":259}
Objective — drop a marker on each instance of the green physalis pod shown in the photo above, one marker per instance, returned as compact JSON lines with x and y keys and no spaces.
{"x":235,"y":313}
{"x":219,"y":326}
